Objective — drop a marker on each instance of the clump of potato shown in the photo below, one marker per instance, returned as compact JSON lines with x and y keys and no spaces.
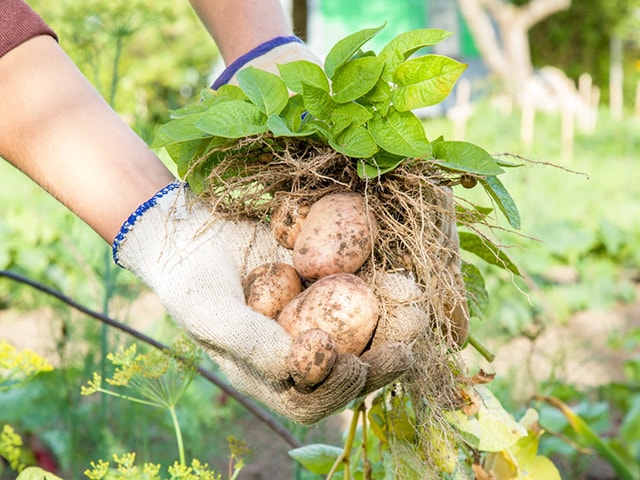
{"x":338,"y":312}
{"x":335,"y":237}
{"x":270,"y":287}
{"x":311,"y":357}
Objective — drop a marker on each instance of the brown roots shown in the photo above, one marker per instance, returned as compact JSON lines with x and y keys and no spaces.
{"x":416,"y":234}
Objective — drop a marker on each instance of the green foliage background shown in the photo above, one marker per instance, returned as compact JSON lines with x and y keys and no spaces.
{"x":577,"y":40}
{"x":586,"y":223}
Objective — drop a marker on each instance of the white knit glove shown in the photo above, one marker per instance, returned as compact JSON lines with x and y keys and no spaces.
{"x":194,"y":263}
{"x":267,"y":56}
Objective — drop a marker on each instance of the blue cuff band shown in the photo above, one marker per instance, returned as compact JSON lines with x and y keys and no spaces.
{"x":240,"y":62}
{"x":128,"y":225}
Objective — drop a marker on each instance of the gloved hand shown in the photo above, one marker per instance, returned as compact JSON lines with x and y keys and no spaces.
{"x":267,"y":56}
{"x":195,"y":262}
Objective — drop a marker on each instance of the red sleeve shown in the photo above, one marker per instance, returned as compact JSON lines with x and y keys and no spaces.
{"x":19,"y":23}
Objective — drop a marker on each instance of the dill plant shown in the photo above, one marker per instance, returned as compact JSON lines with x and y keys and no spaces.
{"x":157,"y":379}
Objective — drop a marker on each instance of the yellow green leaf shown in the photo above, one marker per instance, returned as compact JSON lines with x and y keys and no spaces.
{"x":541,"y":468}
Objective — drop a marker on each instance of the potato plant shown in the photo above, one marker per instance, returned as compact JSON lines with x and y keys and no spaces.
{"x":349,"y":127}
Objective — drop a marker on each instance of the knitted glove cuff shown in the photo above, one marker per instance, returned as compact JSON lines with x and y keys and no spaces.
{"x":251,"y":56}
{"x":128,"y":225}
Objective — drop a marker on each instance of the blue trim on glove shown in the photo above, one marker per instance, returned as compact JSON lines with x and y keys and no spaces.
{"x":130,"y":222}
{"x":241,"y":61}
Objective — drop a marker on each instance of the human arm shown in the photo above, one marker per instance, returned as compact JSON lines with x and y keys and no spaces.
{"x":59,"y":131}
{"x":250,"y":32}
{"x":237,"y":27}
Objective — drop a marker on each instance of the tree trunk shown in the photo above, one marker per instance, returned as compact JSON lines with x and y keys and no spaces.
{"x":500,"y":30}
{"x":300,"y":15}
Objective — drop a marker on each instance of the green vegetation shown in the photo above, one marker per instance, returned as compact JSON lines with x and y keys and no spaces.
{"x":578,"y":214}
{"x":578,"y":221}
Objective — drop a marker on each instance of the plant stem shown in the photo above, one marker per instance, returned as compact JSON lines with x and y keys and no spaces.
{"x":115,"y":72}
{"x":344,"y":457}
{"x":481,"y":348}
{"x":107,"y":280}
{"x":129,"y":398}
{"x":176,"y":426}
{"x":365,"y":462}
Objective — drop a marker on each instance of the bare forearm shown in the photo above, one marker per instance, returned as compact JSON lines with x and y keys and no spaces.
{"x":238,"y":26}
{"x":57,"y":129}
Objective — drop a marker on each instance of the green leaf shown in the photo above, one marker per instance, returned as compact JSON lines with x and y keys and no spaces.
{"x":380,"y":164}
{"x":487,"y":251}
{"x":234,"y":119}
{"x":182,"y":129}
{"x":377,"y":415}
{"x":346,"y":114}
{"x":380,"y":94}
{"x":36,"y":473}
{"x":223,"y":94}
{"x":303,"y":71}
{"x":630,"y":427}
{"x":355,"y":141}
{"x":425,"y":81}
{"x":506,"y":163}
{"x":355,"y":78}
{"x":279,"y":127}
{"x":542,"y":468}
{"x":208,"y":98}
{"x":188,"y":110}
{"x":477,"y":295}
{"x":183,"y":153}
{"x":317,"y":458}
{"x":266,"y":90}
{"x":400,"y":133}
{"x":472,"y":215}
{"x":317,"y":101}
{"x":344,"y":49}
{"x":465,"y":157}
{"x":496,"y":190}
{"x":290,"y":122}
{"x":492,"y":429}
{"x":406,"y":44}
{"x":294,"y":112}
{"x":588,"y":438}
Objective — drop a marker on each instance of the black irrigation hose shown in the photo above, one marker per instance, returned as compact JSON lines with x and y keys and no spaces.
{"x":263,"y":416}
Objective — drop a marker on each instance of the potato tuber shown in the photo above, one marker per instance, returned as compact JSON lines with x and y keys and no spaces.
{"x":336,"y":236}
{"x":311,"y":357}
{"x":286,"y":221}
{"x":342,"y":305}
{"x":269,"y":287}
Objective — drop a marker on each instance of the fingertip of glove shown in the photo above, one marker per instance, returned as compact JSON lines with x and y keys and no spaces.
{"x":387,"y":362}
{"x":388,"y":354}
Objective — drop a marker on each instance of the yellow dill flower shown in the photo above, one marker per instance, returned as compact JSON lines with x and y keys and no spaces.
{"x":11,"y":448}
{"x":19,"y":366}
